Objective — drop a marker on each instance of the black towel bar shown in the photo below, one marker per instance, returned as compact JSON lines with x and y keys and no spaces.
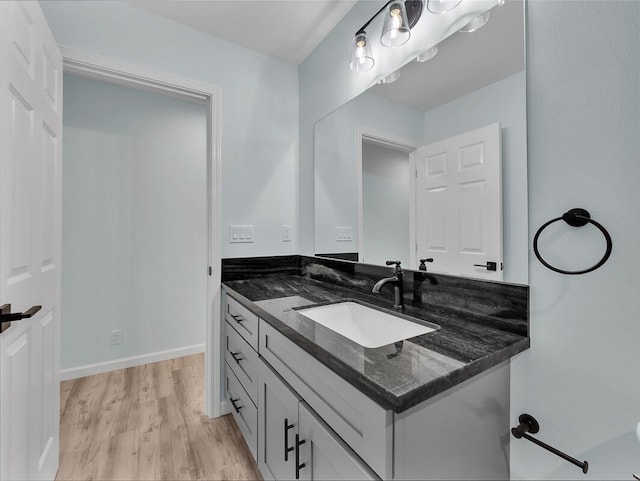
{"x":528,"y":424}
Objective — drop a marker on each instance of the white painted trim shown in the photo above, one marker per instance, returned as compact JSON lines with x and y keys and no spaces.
{"x":125,"y":362}
{"x":381,"y":138}
{"x":104,"y":68}
{"x":413,"y":199}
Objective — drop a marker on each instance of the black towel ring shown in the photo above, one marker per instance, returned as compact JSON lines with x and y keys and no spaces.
{"x":575,"y":218}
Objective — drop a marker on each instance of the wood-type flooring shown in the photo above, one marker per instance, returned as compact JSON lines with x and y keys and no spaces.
{"x":148,"y":423}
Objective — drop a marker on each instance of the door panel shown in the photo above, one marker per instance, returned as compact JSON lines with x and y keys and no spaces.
{"x":15,"y":438}
{"x":459,"y":203}
{"x":30,"y":188}
{"x":276,"y":404}
{"x":325,"y":455}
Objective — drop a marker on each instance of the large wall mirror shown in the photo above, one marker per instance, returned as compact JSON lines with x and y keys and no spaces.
{"x":433,"y":165}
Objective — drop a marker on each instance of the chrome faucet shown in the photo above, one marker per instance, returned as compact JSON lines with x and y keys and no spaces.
{"x":396,"y":280}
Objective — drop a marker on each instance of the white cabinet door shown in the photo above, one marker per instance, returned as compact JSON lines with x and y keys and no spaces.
{"x":323,"y":455}
{"x":277,"y":425}
{"x":30,"y":233}
{"x":459,"y":203}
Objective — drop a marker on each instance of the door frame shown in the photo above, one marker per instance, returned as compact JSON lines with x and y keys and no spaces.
{"x":396,"y":142}
{"x":127,"y":74}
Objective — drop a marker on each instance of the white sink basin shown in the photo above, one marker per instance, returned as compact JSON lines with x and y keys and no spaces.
{"x":364,"y":325}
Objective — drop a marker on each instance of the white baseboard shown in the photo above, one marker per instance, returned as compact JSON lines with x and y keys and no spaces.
{"x":90,"y":369}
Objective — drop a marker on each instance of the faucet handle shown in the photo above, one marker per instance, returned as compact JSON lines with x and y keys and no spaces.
{"x":423,"y":266}
{"x":396,"y":267}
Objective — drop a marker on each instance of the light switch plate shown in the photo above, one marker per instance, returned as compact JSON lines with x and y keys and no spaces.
{"x":286,"y":233}
{"x":240,"y":233}
{"x":344,"y":234}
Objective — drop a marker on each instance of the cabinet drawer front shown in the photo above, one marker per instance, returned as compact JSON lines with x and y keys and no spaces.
{"x":244,"y":321}
{"x":243,"y":361}
{"x":364,"y":425}
{"x":327,"y":456}
{"x":243,"y":410}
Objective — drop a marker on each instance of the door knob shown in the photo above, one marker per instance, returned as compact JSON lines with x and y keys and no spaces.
{"x":7,"y":317}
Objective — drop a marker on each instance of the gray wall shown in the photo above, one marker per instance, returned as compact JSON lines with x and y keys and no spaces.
{"x":336,"y":139}
{"x":134,"y":215}
{"x":581,"y":377}
{"x":259,"y":107}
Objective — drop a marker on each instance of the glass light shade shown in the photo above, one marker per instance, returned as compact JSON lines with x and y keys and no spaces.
{"x":395,"y":31}
{"x":392,"y":77}
{"x":361,"y":57}
{"x":427,"y":55}
{"x":442,"y":6}
{"x":476,"y":23}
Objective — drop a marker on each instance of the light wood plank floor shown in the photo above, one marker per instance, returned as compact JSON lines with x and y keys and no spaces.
{"x":147,"y":423}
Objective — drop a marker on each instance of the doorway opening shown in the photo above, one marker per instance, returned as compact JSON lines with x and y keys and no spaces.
{"x":141,"y":219}
{"x":386,"y":192}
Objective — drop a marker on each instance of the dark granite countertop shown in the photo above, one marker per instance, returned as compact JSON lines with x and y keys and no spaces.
{"x":397,"y":376}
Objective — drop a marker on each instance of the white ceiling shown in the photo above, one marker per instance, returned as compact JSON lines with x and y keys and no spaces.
{"x":286,"y":29}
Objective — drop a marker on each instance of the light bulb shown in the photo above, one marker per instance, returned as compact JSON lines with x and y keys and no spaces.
{"x":395,"y":31}
{"x":361,"y":57}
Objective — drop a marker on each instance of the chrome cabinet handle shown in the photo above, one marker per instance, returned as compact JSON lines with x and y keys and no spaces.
{"x":237,"y":318}
{"x":637,"y":476}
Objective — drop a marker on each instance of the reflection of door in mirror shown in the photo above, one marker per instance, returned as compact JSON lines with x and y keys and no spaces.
{"x":459,"y":203}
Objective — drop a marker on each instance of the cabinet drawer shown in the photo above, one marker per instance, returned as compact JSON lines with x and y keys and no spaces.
{"x":364,"y":425}
{"x":243,"y":320}
{"x":243,"y":361}
{"x":243,"y":409}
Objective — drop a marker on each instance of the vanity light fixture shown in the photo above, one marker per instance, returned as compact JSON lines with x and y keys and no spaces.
{"x":400,"y":18}
{"x":361,"y":57}
{"x":392,"y":77}
{"x":442,"y":6}
{"x":396,"y":31}
{"x":427,"y":54}
{"x":477,"y":23}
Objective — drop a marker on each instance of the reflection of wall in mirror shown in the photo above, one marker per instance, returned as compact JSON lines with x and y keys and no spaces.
{"x":335,"y":161}
{"x":385,"y":204}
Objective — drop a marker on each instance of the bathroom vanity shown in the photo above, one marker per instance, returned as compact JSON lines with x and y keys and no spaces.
{"x":314,"y":404}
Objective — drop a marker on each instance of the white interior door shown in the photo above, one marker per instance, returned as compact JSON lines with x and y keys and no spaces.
{"x":30,"y":233}
{"x":459,"y":204}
